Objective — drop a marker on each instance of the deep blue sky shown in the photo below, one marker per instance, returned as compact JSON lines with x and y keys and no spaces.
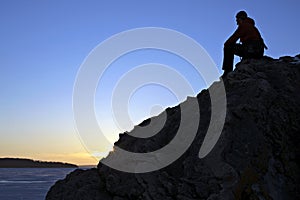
{"x":43,"y":44}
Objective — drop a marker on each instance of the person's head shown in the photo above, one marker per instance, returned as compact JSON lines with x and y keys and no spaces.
{"x":240,"y":17}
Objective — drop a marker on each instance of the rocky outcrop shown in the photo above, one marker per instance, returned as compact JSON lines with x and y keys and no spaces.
{"x":254,"y":158}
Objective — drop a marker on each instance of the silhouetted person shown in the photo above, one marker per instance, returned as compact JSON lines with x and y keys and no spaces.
{"x":252,"y":43}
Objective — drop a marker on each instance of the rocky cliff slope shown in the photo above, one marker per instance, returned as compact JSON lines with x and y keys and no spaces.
{"x":254,"y":158}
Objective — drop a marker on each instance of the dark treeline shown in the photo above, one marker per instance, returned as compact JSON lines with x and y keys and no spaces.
{"x":28,"y":163}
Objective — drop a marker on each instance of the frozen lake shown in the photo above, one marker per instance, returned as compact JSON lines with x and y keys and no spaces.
{"x":29,"y":183}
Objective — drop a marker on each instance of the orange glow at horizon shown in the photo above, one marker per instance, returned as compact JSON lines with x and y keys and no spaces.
{"x":80,"y":158}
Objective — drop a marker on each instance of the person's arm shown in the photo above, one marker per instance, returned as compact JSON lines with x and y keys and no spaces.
{"x":234,"y":37}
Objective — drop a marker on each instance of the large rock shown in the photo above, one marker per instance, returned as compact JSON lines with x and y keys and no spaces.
{"x":255,"y":157}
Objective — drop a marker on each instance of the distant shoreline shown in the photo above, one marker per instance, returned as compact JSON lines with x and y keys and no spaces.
{"x":87,"y":166}
{"x":29,"y":163}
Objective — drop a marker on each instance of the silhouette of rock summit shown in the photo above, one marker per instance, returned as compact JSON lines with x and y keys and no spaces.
{"x":255,"y":157}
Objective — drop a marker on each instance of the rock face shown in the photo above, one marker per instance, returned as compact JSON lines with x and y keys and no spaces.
{"x":255,"y":157}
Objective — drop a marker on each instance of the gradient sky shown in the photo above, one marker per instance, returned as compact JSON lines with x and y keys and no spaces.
{"x":44,"y":42}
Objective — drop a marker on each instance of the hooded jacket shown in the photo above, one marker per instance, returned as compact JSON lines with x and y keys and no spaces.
{"x":246,"y":31}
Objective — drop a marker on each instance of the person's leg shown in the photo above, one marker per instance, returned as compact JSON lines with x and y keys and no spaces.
{"x":239,"y":50}
{"x":228,"y":59}
{"x":229,"y":52}
{"x":254,"y":49}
